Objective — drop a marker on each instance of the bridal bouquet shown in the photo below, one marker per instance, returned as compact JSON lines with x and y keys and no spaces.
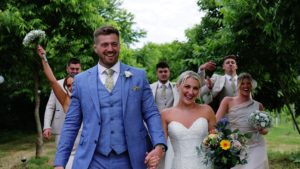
{"x":33,"y":37}
{"x":260,"y":120}
{"x":226,"y":148}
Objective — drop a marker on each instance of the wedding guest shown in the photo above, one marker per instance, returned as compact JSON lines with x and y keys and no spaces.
{"x":165,"y":95}
{"x":62,"y":94}
{"x":219,"y":86}
{"x":238,"y":109}
{"x":164,"y":91}
{"x":54,"y":114}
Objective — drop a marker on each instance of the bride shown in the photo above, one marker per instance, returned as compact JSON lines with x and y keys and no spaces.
{"x":188,"y":123}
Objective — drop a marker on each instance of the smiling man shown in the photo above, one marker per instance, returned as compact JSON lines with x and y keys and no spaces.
{"x":112,"y":101}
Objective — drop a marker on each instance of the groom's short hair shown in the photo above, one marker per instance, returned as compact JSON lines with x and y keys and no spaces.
{"x":105,"y":30}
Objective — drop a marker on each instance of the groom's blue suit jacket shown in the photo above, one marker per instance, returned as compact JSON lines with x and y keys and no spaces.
{"x":138,"y":105}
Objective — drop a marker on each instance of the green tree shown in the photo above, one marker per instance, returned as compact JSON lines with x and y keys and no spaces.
{"x":69,"y":26}
{"x":172,"y":53}
{"x":264,"y":35}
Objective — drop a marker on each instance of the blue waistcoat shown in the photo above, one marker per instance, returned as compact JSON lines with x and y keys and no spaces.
{"x":112,"y":134}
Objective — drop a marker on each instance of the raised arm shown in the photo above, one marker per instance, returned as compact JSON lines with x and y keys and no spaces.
{"x":60,"y":94}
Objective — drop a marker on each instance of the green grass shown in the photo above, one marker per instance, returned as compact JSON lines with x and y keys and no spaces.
{"x":283,"y":138}
{"x":283,"y":147}
{"x":278,"y":160}
{"x":15,"y":141}
{"x":15,"y":144}
{"x":41,"y":163}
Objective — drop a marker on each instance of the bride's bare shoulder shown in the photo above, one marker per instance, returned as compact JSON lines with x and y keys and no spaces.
{"x":167,"y":110}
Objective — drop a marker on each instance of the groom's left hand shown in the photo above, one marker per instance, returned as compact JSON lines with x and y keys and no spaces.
{"x":153,"y":157}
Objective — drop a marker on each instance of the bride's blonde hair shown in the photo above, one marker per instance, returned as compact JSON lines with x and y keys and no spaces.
{"x":188,"y":74}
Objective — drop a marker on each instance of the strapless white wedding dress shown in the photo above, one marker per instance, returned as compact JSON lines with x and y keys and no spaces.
{"x":184,"y":142}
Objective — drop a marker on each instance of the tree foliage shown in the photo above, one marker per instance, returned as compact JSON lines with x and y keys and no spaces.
{"x":263,"y":34}
{"x":172,"y":53}
{"x":69,"y":26}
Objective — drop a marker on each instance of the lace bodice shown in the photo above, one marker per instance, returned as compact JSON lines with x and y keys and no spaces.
{"x":185,"y":140}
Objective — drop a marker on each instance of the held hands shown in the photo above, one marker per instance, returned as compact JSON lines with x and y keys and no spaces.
{"x":153,"y":157}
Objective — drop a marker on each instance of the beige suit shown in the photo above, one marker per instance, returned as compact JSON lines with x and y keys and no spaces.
{"x":174,"y":91}
{"x":207,"y":94}
{"x":54,"y":114}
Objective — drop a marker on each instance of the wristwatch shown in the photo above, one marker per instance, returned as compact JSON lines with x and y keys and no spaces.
{"x":163,"y":147}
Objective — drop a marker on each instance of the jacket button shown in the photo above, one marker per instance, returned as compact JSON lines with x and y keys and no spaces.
{"x":95,"y":141}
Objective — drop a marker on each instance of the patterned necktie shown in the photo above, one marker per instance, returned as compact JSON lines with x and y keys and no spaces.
{"x":109,"y":81}
{"x":163,"y":90}
{"x":233,"y":86}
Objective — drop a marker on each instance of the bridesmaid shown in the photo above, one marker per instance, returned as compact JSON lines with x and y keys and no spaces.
{"x":238,"y":109}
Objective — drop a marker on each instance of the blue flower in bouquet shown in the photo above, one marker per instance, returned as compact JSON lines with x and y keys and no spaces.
{"x":225,"y":148}
{"x":260,"y":120}
{"x":221,"y":125}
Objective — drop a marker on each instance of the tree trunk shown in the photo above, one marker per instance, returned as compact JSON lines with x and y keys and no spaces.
{"x":293,"y":118}
{"x":286,"y":99}
{"x":39,"y":138}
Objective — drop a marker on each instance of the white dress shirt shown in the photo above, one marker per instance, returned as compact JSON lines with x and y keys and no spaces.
{"x":228,"y":78}
{"x":102,"y":74}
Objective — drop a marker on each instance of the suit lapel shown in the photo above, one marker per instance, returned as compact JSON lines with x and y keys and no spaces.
{"x":218,"y":86}
{"x":154,"y":88}
{"x":125,"y":81}
{"x":93,"y":87}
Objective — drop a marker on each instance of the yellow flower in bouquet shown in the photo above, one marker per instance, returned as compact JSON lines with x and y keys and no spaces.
{"x":226,"y":148}
{"x":225,"y":144}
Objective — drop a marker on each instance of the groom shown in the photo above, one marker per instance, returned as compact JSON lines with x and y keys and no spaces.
{"x":111,"y":100}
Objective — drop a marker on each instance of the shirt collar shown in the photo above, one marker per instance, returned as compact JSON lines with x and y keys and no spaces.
{"x":116,"y":68}
{"x":160,"y":84}
{"x":228,"y":77}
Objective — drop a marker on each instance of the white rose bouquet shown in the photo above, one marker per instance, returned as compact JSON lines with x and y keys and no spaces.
{"x":34,"y":37}
{"x":260,"y":120}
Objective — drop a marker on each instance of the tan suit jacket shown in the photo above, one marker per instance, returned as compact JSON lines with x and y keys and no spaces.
{"x":154,"y":85}
{"x":54,"y":115}
{"x":218,"y":82}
